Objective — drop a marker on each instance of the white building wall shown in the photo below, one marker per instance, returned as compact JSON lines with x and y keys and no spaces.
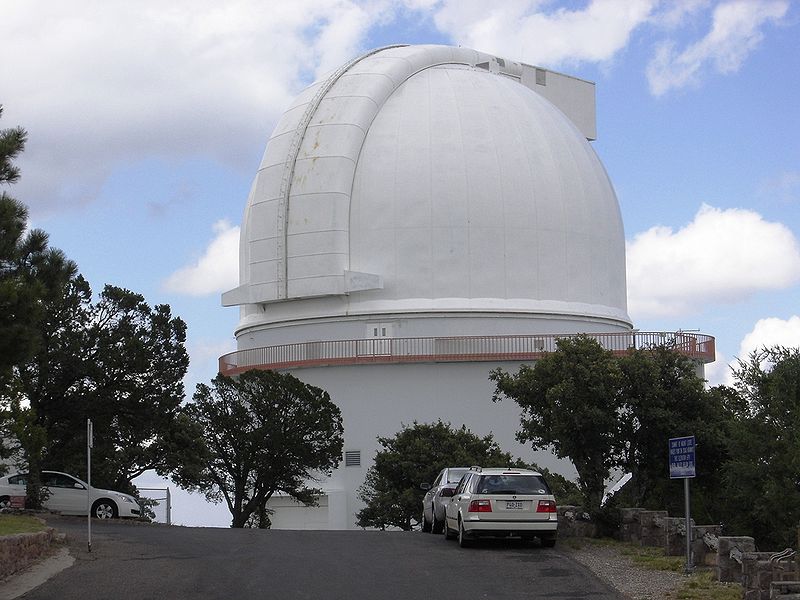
{"x":378,"y":400}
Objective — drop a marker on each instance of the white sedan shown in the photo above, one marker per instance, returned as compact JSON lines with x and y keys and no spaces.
{"x":68,"y":495}
{"x":502,"y":503}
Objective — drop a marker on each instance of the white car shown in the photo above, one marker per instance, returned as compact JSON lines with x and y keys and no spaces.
{"x":68,"y":495}
{"x":502,"y":503}
{"x":438,"y":496}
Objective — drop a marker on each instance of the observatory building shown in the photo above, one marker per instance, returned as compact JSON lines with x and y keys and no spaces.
{"x":421,"y":216}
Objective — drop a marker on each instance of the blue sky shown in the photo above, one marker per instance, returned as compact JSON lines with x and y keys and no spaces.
{"x":146,"y":125}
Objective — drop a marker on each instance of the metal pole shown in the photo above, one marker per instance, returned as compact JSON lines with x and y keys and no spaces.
{"x":169,"y":508}
{"x":689,"y":567}
{"x":89,"y":481}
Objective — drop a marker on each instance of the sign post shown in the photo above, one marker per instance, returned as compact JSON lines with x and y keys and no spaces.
{"x":89,"y":444}
{"x":682,"y":466}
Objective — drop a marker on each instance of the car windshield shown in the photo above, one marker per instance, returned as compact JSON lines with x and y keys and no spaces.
{"x":512,"y":484}
{"x":455,"y":475}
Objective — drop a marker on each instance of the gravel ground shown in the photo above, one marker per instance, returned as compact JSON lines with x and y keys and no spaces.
{"x":620,"y":571}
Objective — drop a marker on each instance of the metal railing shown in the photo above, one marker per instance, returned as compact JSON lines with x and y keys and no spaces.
{"x":697,"y":346}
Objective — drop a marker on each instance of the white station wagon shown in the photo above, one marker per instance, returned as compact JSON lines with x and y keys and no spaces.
{"x":502,"y":503}
{"x":68,"y":495}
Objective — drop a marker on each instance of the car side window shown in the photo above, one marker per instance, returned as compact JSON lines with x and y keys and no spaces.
{"x":18,"y":480}
{"x":461,"y":484}
{"x":49,"y":480}
{"x":59,"y":481}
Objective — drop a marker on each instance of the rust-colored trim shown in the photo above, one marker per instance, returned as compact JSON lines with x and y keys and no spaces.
{"x":514,"y":348}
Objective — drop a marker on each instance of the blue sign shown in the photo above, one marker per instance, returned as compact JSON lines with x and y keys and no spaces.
{"x":681,"y":457}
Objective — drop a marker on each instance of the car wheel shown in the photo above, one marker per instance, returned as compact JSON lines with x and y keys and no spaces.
{"x":437,"y":525}
{"x":104,"y":509}
{"x":5,"y":502}
{"x":448,"y":533}
{"x":426,"y":525}
{"x":463,"y":540}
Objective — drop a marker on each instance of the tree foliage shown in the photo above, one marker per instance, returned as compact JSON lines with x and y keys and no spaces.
{"x":265,"y":432}
{"x":607,"y":412}
{"x":663,"y":397}
{"x":30,"y":271}
{"x":762,"y":475}
{"x":120,"y":363}
{"x":31,"y":274}
{"x":413,"y":456}
{"x":570,"y":402}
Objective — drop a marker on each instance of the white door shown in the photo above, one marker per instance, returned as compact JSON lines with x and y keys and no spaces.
{"x":67,"y":494}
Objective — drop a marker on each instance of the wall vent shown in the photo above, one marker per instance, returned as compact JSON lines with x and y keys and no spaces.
{"x":541,"y":76}
{"x":352,"y":458}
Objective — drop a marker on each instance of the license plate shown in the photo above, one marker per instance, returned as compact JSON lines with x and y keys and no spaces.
{"x":513,"y":505}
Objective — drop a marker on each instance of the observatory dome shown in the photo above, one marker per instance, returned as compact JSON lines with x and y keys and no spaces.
{"x":430,"y":179}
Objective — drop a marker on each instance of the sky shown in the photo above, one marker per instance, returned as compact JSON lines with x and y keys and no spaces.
{"x":147,"y":122}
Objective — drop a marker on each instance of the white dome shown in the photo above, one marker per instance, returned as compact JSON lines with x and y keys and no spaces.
{"x":413,"y":180}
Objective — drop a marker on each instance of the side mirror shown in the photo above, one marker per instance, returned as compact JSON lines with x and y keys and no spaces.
{"x":447,"y":492}
{"x":425,"y":486}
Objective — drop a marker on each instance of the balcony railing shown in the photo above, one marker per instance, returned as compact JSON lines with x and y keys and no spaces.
{"x":493,"y":348}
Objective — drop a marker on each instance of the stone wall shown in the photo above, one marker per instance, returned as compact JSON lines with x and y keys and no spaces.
{"x":19,"y":551}
{"x":574,"y":522}
{"x":763,"y":575}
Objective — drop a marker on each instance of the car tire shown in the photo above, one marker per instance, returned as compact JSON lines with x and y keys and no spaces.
{"x":437,"y":525}
{"x":104,"y":509}
{"x":448,"y":533}
{"x":463,"y":540}
{"x":5,"y":502}
{"x":426,"y":525}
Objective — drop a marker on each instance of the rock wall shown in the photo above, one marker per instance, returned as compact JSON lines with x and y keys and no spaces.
{"x":19,"y":551}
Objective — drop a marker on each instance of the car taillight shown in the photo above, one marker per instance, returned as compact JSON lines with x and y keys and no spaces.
{"x":480,"y":506}
{"x":546,"y":506}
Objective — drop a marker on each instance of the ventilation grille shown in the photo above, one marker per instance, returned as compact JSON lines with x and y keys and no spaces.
{"x":352,"y":458}
{"x":541,"y":76}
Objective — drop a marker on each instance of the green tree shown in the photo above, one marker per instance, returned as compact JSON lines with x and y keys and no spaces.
{"x":571,"y":403}
{"x":121,"y":363}
{"x":30,"y":271}
{"x":762,"y":476}
{"x":31,"y":274}
{"x":413,"y":456}
{"x":265,"y":432}
{"x":663,"y":397}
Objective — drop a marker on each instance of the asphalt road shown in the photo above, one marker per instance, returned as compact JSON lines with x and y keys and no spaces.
{"x":148,"y":562}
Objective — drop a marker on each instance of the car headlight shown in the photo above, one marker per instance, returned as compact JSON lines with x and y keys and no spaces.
{"x":126,"y":499}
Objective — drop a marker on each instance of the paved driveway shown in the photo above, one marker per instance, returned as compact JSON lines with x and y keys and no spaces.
{"x":143,"y":562}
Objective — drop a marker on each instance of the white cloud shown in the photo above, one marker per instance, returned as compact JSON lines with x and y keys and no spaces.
{"x":784,"y":187}
{"x":99,"y":84}
{"x":204,"y":357}
{"x":770,"y":332}
{"x":524,"y":30}
{"x":214,"y":272}
{"x":675,"y":13}
{"x":719,"y":371}
{"x":735,"y":32}
{"x":721,"y":256}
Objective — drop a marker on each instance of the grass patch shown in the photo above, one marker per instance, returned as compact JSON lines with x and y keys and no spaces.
{"x":646,"y":557}
{"x":703,"y":586}
{"x":11,"y":524}
{"x":652,"y":558}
